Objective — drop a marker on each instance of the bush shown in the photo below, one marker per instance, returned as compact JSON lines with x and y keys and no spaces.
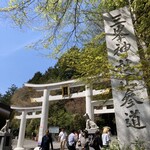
{"x":137,"y":145}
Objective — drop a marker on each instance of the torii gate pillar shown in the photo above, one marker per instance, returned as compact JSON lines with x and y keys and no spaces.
{"x":21,"y":131}
{"x":89,"y":95}
{"x":44,"y":115}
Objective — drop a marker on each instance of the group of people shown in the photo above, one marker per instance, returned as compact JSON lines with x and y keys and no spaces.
{"x":82,"y":141}
{"x":78,"y":140}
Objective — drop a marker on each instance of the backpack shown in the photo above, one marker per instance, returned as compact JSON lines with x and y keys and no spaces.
{"x":94,"y":142}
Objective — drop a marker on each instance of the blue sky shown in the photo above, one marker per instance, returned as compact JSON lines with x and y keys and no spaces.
{"x":17,"y":63}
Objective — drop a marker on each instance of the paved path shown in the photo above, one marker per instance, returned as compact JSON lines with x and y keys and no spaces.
{"x":30,"y":144}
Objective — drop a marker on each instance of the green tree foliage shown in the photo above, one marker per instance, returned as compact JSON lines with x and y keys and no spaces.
{"x":66,"y":23}
{"x":60,"y":117}
{"x":79,"y":121}
{"x":66,"y":64}
{"x":76,"y":22}
{"x":6,"y":98}
{"x":32,"y":126}
{"x":1,"y":96}
{"x":87,"y":62}
{"x":63,"y":70}
{"x":36,"y":79}
{"x":50,"y":76}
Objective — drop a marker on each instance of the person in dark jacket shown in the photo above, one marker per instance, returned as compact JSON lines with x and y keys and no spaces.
{"x":45,"y":141}
{"x":51,"y":140}
{"x":97,"y":141}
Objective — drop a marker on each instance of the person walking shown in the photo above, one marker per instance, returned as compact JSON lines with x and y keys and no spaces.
{"x":81,"y":140}
{"x":106,"y":137}
{"x":72,"y":141}
{"x":50,"y":140}
{"x":45,"y":141}
{"x":86,"y":146}
{"x":97,"y":141}
{"x":62,"y":137}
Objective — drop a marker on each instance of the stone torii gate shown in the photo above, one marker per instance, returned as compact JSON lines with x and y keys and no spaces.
{"x":65,"y":86}
{"x":23,"y":117}
{"x":34,"y":110}
{"x":105,"y":106}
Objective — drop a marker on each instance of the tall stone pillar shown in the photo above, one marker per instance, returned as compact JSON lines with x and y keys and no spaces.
{"x":44,"y":115}
{"x":92,"y":112}
{"x":88,"y":96}
{"x":131,"y":100}
{"x":21,"y":131}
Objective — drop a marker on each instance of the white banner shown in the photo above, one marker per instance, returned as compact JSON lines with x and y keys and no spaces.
{"x":54,"y":129}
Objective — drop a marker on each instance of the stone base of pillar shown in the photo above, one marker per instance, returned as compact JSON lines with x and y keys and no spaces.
{"x":37,"y":148}
{"x":19,"y":148}
{"x":92,"y":131}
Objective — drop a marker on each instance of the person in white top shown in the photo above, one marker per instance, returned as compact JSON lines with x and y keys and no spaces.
{"x":106,"y":137}
{"x":62,"y":137}
{"x":81,"y":140}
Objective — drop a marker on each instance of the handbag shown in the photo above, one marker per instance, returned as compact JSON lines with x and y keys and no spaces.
{"x":79,"y":143}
